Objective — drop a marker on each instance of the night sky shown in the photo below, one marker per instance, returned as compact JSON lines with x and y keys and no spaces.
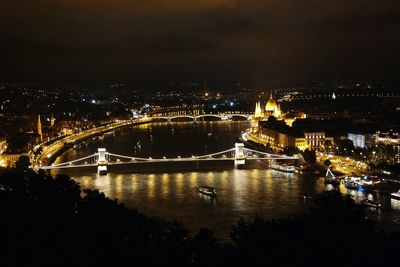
{"x":157,"y":41}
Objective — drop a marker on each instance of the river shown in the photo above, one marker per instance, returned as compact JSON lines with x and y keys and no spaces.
{"x":169,"y":190}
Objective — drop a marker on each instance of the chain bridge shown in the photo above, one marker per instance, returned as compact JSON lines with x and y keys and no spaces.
{"x":239,"y":154}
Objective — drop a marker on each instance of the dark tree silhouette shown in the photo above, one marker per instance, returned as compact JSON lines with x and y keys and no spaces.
{"x":51,"y":221}
{"x":327,"y":162}
{"x":291,"y":150}
{"x":309,"y":156}
{"x":23,"y":163}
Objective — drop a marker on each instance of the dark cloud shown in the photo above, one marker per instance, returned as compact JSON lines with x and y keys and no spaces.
{"x":174,"y":43}
{"x":160,"y":40}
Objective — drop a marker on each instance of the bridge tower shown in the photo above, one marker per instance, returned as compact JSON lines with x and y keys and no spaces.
{"x":240,"y":158}
{"x":102,"y":161}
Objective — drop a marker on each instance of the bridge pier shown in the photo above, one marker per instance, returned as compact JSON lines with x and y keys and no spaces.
{"x":240,"y":158}
{"x":102,"y":161}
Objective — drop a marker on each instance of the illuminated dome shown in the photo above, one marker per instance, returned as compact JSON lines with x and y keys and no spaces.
{"x":271,"y":105}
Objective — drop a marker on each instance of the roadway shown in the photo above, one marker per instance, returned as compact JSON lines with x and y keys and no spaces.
{"x":343,"y":164}
{"x":49,"y":151}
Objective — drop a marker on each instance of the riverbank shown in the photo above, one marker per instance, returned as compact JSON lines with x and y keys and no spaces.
{"x":50,"y":152}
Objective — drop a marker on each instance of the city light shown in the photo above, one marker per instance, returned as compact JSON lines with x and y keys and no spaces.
{"x":134,"y":128}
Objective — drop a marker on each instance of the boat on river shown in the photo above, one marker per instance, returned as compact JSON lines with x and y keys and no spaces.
{"x":102,"y":170}
{"x":354,"y":186}
{"x":207,"y":190}
{"x":361,"y":183}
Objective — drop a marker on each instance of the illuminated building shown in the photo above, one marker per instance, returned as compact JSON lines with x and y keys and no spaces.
{"x":361,"y":140}
{"x":3,"y":144}
{"x":3,"y":148}
{"x":283,"y":137}
{"x":9,"y":160}
{"x":388,"y":138}
{"x":278,"y":139}
{"x":272,"y":108}
{"x":258,"y":114}
{"x":316,"y":140}
{"x":278,"y":132}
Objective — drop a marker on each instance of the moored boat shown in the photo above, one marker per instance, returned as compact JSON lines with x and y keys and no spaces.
{"x":361,"y":183}
{"x":354,"y":186}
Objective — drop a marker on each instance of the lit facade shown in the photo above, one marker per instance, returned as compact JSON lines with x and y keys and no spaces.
{"x":389,"y":138}
{"x":272,"y":108}
{"x":315,"y":141}
{"x":9,"y":160}
{"x":303,"y":141}
{"x":283,"y":135}
{"x":357,"y":139}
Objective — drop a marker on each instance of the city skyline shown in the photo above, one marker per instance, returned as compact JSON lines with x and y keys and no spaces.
{"x":199,"y":133}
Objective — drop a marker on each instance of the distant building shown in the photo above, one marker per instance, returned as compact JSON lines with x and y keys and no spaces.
{"x":316,"y":140}
{"x":272,"y":108}
{"x":3,"y":144}
{"x":308,"y":140}
{"x":389,"y":138}
{"x":278,"y":135}
{"x":9,"y":160}
{"x":361,"y":140}
{"x":357,"y":139}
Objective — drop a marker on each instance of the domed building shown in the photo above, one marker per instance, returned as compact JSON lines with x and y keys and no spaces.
{"x":272,"y":108}
{"x":271,"y":104}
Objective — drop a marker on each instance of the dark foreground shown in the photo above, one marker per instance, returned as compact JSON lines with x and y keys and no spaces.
{"x":52,"y":221}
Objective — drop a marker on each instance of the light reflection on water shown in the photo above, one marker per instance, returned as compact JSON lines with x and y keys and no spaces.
{"x":241,"y":193}
{"x":170,"y":192}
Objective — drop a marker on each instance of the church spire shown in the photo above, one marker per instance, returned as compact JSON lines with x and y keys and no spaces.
{"x":52,"y":120}
{"x":258,"y":111}
{"x":39,"y":128}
